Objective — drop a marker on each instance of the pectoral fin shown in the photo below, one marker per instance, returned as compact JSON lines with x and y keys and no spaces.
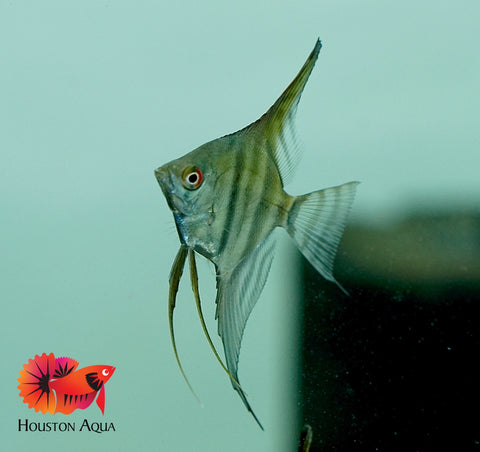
{"x":101,"y":399}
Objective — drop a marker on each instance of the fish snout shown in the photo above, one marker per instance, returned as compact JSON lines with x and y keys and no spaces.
{"x":161,"y":174}
{"x":164,"y":179}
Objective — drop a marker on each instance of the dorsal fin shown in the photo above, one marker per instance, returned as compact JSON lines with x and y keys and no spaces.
{"x":277,"y":124}
{"x":64,"y":366}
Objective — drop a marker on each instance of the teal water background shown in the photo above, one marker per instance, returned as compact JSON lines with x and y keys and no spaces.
{"x":96,"y":94}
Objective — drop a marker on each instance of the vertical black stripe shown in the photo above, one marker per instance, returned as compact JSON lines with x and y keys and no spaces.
{"x":252,"y":186}
{"x":234,"y":192}
{"x":260,"y":225}
{"x":252,"y":189}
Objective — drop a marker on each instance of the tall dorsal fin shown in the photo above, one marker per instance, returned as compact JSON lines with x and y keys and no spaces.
{"x":277,"y":125}
{"x":64,"y":366}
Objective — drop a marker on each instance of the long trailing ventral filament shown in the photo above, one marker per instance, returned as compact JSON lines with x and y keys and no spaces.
{"x":175,"y":277}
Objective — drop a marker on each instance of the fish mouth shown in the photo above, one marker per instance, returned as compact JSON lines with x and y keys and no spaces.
{"x":162,"y":175}
{"x":174,"y":201}
{"x":164,"y":180}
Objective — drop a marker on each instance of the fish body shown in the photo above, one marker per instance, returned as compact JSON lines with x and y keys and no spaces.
{"x":227,"y":197}
{"x":205,"y":223}
{"x":54,"y":385}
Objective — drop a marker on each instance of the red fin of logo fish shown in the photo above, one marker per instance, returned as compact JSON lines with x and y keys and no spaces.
{"x":54,"y":385}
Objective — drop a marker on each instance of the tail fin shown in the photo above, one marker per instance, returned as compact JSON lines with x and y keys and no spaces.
{"x":316,"y":222}
{"x":34,"y":383}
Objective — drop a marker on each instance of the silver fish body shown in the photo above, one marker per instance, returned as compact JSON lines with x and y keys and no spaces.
{"x":227,"y":197}
{"x":240,"y":202}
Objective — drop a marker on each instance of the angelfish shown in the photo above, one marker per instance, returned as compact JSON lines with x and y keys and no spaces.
{"x":227,"y":197}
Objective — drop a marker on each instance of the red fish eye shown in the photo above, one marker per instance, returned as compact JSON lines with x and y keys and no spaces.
{"x":192,"y":178}
{"x":105,"y":372}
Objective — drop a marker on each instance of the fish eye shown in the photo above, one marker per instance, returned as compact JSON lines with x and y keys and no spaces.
{"x":192,"y":178}
{"x":105,"y":372}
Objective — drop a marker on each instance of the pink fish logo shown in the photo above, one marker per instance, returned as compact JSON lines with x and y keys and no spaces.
{"x":54,"y":385}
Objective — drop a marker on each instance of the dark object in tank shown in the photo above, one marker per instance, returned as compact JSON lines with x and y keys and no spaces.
{"x":394,"y":367}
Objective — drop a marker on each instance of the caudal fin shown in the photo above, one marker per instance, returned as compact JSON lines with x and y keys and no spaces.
{"x":316,"y":222}
{"x":34,"y":383}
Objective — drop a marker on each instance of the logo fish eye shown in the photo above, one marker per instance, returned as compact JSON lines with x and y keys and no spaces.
{"x":192,"y":178}
{"x":105,"y":372}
